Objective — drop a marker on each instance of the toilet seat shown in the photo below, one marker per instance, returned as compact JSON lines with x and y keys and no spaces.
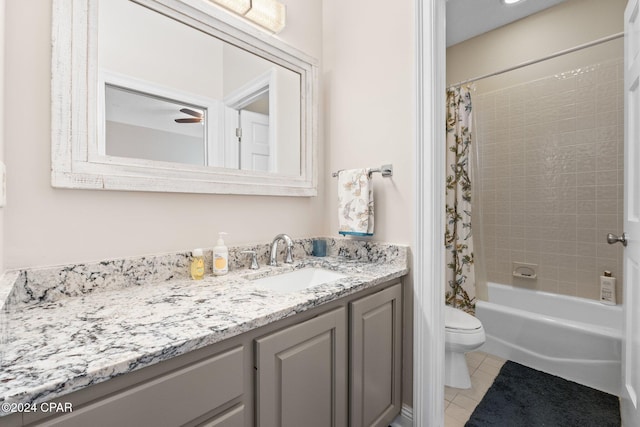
{"x":457,"y":321}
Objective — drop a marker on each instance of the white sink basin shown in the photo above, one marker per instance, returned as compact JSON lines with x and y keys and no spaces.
{"x":298,"y":280}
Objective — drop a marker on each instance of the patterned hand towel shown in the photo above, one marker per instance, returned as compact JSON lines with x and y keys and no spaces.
{"x":355,"y":202}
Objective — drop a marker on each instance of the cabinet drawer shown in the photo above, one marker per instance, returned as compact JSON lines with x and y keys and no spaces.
{"x":231,"y":418}
{"x":169,"y":400}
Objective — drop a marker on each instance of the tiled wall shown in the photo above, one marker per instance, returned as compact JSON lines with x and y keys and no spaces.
{"x":551,"y":172}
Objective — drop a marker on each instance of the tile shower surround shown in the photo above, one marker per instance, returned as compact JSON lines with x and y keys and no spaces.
{"x":551,"y":158}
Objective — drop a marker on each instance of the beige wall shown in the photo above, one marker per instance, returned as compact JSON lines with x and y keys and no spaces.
{"x":46,"y":226}
{"x":549,"y":144}
{"x":561,"y":27}
{"x":368,"y":79}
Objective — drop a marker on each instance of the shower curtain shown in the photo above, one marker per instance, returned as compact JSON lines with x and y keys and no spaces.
{"x":460,"y":292}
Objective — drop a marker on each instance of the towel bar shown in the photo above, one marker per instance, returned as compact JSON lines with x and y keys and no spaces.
{"x":385,"y":170}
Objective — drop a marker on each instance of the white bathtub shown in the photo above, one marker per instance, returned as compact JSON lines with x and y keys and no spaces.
{"x":574,"y":338}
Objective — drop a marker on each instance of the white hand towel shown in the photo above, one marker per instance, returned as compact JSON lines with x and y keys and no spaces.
{"x":355,"y":202}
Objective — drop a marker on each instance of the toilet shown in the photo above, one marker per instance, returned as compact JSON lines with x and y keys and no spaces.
{"x":463,"y":333}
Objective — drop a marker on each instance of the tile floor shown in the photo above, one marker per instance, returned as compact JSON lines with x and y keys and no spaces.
{"x":458,"y":403}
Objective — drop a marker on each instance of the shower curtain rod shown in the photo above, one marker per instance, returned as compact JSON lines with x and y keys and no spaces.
{"x":535,"y":61}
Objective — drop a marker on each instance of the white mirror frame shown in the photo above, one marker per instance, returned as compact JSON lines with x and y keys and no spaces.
{"x":75,"y":113}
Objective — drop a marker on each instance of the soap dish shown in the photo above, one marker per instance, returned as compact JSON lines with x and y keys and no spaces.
{"x":525,"y":271}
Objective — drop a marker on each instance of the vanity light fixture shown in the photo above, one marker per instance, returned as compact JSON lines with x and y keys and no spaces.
{"x":269,"y":14}
{"x":237,"y":6}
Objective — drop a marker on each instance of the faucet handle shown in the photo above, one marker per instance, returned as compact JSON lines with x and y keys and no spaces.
{"x":288,"y":255}
{"x":254,"y":259}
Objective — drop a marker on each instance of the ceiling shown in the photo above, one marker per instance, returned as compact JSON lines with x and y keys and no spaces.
{"x":470,"y":18}
{"x":140,"y":109}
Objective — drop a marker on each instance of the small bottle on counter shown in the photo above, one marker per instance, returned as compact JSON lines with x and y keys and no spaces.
{"x":220,"y":257}
{"x":197,"y":264}
{"x":607,"y":289}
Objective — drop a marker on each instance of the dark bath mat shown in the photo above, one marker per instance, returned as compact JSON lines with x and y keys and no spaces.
{"x":522,"y":396}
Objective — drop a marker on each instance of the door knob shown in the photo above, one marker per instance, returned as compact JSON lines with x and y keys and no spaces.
{"x":612,"y":238}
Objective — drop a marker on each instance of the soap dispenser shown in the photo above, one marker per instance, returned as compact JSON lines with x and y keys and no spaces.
{"x":220,"y":257}
{"x":197,"y":264}
{"x":608,"y":288}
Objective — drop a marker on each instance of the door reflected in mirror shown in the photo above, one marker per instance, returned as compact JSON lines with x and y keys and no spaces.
{"x":254,"y":150}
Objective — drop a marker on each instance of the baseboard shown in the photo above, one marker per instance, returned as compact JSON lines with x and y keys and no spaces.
{"x":407,"y":412}
{"x":405,"y":419}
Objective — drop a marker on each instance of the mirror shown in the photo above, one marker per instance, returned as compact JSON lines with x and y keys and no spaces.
{"x":197,"y":102}
{"x":143,"y":126}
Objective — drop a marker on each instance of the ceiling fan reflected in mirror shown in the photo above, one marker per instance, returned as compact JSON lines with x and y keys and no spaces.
{"x":197,"y":116}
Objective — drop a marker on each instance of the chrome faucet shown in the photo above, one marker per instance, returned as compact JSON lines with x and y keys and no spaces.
{"x":274,"y":249}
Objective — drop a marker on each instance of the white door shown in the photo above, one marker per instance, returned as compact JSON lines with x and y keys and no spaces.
{"x":231,"y":154}
{"x":255,"y":151}
{"x":631,"y":345}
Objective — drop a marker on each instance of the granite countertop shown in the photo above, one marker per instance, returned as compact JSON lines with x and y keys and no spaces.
{"x":52,"y":348}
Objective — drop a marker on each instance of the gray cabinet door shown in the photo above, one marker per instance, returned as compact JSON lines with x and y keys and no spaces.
{"x":376,"y":358}
{"x":301,"y":374}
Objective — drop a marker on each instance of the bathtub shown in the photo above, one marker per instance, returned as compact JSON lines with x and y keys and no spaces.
{"x":574,"y":338}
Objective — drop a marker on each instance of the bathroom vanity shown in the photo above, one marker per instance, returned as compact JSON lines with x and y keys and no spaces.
{"x":225,"y":351}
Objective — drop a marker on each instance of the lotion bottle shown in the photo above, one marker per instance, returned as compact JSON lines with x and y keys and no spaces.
{"x":607,"y":289}
{"x":197,"y":264}
{"x":220,"y":257}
